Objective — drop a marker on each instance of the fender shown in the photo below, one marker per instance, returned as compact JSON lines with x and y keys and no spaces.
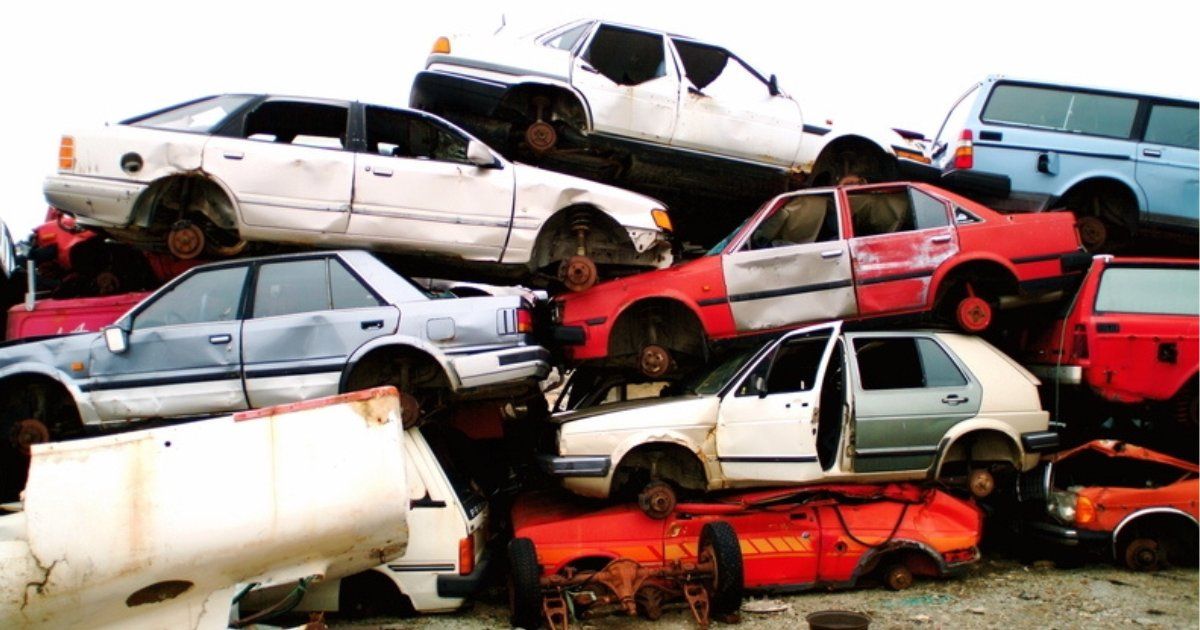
{"x":896,"y":544}
{"x":670,"y":293}
{"x":952,"y":264}
{"x":653,"y":438}
{"x":87,"y":413}
{"x":1116,"y":533}
{"x":401,"y":341}
{"x":977,"y":424}
{"x":1128,"y":182}
{"x":883,"y":138}
{"x":199,"y":171}
{"x":524,"y":80}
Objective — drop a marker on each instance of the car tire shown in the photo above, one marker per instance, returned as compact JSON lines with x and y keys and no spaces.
{"x":524,"y":586}
{"x":719,"y":541}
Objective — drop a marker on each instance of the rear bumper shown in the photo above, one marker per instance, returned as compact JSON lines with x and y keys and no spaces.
{"x":1065,"y":374}
{"x":499,"y":367}
{"x":94,"y":200}
{"x":454,"y":585}
{"x":435,"y":90}
{"x":576,"y":466}
{"x":1039,"y":441}
{"x":969,"y":182}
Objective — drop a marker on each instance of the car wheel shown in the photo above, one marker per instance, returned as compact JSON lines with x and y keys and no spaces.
{"x":1105,"y":222}
{"x":654,"y":361}
{"x":657,"y":499}
{"x":1143,"y":554}
{"x":968,"y":308}
{"x":524,"y":585}
{"x":719,"y":544}
{"x":897,"y":577}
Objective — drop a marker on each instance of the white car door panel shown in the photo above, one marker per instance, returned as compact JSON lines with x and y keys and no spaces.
{"x":629,"y":80}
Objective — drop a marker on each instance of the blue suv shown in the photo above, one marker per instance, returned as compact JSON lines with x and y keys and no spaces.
{"x":1124,"y":163}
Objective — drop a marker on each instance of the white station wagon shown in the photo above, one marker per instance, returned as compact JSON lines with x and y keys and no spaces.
{"x":209,"y":175}
{"x":816,"y":405}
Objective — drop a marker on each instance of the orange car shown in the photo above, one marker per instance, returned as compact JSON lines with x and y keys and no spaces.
{"x":1135,"y":504}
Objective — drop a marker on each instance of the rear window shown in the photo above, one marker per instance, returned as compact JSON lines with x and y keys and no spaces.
{"x":1155,"y":290}
{"x":1173,"y":125}
{"x":1061,"y":110}
{"x":462,"y":462}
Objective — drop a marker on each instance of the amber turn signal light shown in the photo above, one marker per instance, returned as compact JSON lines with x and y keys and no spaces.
{"x":441,"y":45}
{"x":66,"y":153}
{"x":661,"y":219}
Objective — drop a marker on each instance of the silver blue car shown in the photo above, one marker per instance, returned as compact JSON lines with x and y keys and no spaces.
{"x":263,"y":331}
{"x":1123,"y":162}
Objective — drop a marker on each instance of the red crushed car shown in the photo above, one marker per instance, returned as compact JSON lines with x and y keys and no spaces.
{"x":60,"y":317}
{"x":791,"y":539}
{"x":1133,"y":504}
{"x":1132,"y":335}
{"x":848,"y":252}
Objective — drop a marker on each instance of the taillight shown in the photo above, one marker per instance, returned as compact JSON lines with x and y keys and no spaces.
{"x":466,"y":555}
{"x":1079,"y":344}
{"x":964,"y":153}
{"x":524,"y":320}
{"x":66,"y":153}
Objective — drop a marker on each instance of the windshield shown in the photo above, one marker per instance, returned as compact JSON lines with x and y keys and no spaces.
{"x":201,"y":116}
{"x":720,"y":247}
{"x":707,"y":383}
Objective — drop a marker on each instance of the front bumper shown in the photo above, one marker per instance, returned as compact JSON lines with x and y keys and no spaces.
{"x":1066,"y":536}
{"x":454,"y":585}
{"x":94,"y":200}
{"x":499,"y":367}
{"x":576,"y":465}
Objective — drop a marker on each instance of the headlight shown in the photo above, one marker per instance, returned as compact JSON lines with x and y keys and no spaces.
{"x":1061,"y":505}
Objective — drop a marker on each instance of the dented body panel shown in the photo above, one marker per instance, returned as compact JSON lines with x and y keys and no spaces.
{"x":868,"y":251}
{"x":156,"y":554}
{"x":792,"y":539}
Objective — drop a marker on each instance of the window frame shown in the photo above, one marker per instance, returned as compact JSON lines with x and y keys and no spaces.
{"x":130,"y":320}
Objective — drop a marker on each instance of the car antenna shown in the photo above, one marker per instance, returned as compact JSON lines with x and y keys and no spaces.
{"x":503,"y":23}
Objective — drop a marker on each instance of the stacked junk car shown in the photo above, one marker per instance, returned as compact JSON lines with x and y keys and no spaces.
{"x":599,"y":326}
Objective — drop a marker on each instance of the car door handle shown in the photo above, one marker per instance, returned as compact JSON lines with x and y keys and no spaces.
{"x":587,"y":67}
{"x":831,"y":254}
{"x":955,"y":399}
{"x":217,"y":340}
{"x":1151,"y":153}
{"x":381,"y":172}
{"x":233,"y":155}
{"x":372,"y":324}
{"x":941,"y":238}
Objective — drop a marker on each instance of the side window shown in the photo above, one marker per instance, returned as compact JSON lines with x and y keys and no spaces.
{"x":625,"y":56}
{"x":208,"y":296}
{"x":881,"y":212}
{"x":1161,"y":291}
{"x":406,"y":135}
{"x":717,"y":73}
{"x":1062,"y":110}
{"x":567,"y":39}
{"x":348,"y":291}
{"x":904,"y":363}
{"x":1173,"y":125}
{"x":295,"y":286}
{"x":800,"y":220}
{"x":305,"y":124}
{"x":963,"y":217}
{"x":930,"y":211}
{"x":792,"y":367}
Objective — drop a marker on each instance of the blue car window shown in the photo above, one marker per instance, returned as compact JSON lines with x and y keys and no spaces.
{"x":1062,"y":110}
{"x":208,"y":296}
{"x":348,"y":292}
{"x":1173,"y":125}
{"x":295,"y":286}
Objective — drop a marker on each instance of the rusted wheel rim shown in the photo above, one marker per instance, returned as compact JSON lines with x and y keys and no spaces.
{"x":541,"y":136}
{"x":185,"y":241}
{"x":579,"y":273}
{"x":899,"y":578}
{"x":654,"y":361}
{"x":657,"y":500}
{"x":981,"y":483}
{"x":1092,"y":232}
{"x":410,"y":410}
{"x":974,"y":314}
{"x":27,"y":432}
{"x":1142,"y":555}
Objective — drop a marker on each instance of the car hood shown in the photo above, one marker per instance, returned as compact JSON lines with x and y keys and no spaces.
{"x":542,"y":192}
{"x":1116,"y":448}
{"x":57,"y":350}
{"x":645,"y":412}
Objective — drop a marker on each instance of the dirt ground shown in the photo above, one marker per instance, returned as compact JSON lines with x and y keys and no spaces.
{"x":995,"y":593}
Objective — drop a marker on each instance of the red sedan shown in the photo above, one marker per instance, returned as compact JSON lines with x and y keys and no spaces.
{"x":848,"y":252}
{"x":791,"y":539}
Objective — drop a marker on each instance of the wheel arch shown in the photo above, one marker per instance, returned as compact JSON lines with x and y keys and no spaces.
{"x":1001,"y":440}
{"x":527,"y":85}
{"x":45,"y":374}
{"x":560,"y":221}
{"x":836,"y":140}
{"x":916,"y":555}
{"x":992,"y":265}
{"x":388,"y":345}
{"x":145,"y":206}
{"x":668,"y":441}
{"x":672,"y":298}
{"x":1175,"y":516}
{"x":1100,"y":179}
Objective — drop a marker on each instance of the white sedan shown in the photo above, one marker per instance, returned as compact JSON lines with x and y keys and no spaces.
{"x":210,"y":175}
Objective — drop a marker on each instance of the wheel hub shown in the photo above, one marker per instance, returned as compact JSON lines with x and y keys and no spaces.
{"x":27,"y":432}
{"x":981,"y":483}
{"x":1142,"y":555}
{"x":578,"y":273}
{"x":186,"y":240}
{"x":1092,"y":232}
{"x":657,"y":500}
{"x":974,"y":314}
{"x":541,"y":136}
{"x":654,"y":361}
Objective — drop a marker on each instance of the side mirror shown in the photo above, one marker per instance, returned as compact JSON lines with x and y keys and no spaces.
{"x":773,"y":85}
{"x":479,"y":155}
{"x":760,"y":386}
{"x":115,"y":339}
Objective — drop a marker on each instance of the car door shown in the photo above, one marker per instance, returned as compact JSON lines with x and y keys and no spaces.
{"x":414,"y":189}
{"x":183,"y":353}
{"x":1168,"y":164}
{"x":727,"y":108}
{"x":306,"y":316}
{"x":792,"y":267}
{"x":286,"y":165}
{"x":767,"y":422}
{"x":908,"y":390}
{"x":900,"y":236}
{"x":630,"y":82}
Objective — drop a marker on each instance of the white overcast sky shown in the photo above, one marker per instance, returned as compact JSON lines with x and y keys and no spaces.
{"x":68,"y":64}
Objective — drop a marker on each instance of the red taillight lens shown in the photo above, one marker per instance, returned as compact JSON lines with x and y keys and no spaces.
{"x":524,"y":320}
{"x":466,"y":556}
{"x":964,"y":153}
{"x":1079,"y":347}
